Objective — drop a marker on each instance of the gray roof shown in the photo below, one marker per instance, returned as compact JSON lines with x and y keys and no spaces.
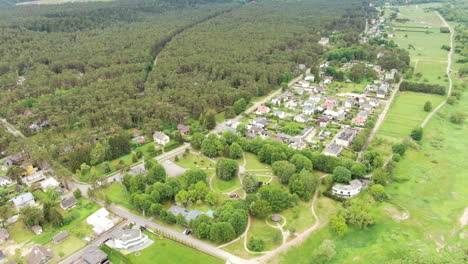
{"x":334,"y":148}
{"x":22,"y":198}
{"x":68,"y":202}
{"x":39,"y":254}
{"x":353,"y":185}
{"x":188,"y":214}
{"x":127,"y":234}
{"x":60,"y":237}
{"x":93,"y":255}
{"x":159,"y":135}
{"x":4,"y":235}
{"x":347,"y":134}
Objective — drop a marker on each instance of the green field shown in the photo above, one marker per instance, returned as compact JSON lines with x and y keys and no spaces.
{"x":271,"y":236}
{"x":167,"y":251}
{"x":225,"y":186}
{"x":117,"y":193}
{"x":55,"y":2}
{"x":406,"y":113}
{"x":432,"y":72}
{"x":192,"y":161}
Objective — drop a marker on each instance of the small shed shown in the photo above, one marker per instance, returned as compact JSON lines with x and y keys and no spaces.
{"x":275,"y":218}
{"x":37,"y":229}
{"x":4,"y":235}
{"x":68,"y":203}
{"x":60,"y":237}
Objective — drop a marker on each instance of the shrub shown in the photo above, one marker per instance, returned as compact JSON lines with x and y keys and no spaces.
{"x":399,"y":148}
{"x":457,"y":118}
{"x":428,"y":106}
{"x":396,"y":157}
{"x":172,"y":146}
{"x":341,"y":174}
{"x":256,"y":245}
{"x":417,"y":134}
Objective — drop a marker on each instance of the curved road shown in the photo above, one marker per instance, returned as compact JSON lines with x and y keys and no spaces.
{"x":449,"y":69}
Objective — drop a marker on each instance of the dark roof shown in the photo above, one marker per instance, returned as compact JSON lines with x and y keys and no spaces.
{"x":93,"y":255}
{"x":39,"y":254}
{"x":68,"y":202}
{"x":347,"y":134}
{"x":60,"y":237}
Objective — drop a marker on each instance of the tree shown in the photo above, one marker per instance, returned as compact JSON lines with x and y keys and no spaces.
{"x":380,"y":176}
{"x":5,"y":211}
{"x":341,"y":174}
{"x":284,"y":170}
{"x":239,"y":106}
{"x":197,"y":140}
{"x":55,"y":217}
{"x":195,"y":175}
{"x":199,"y":191}
{"x":222,"y":232}
{"x":226,"y":169}
{"x":338,"y":225}
{"x":242,"y":129}
{"x":119,"y":145}
{"x":211,"y":198}
{"x":106,"y":167}
{"x":208,"y":120}
{"x":417,"y":133}
{"x":250,"y":183}
{"x":256,"y":245}
{"x":378,"y":192}
{"x":98,"y":154}
{"x":325,"y":252}
{"x":149,"y":163}
{"x":399,"y":148}
{"x":156,"y":174}
{"x":31,"y":216}
{"x":138,"y":153}
{"x":134,"y":158}
{"x":457,"y":118}
{"x":301,"y":162}
{"x":358,"y":170}
{"x":180,"y":219}
{"x":212,"y":146}
{"x":428,"y":106}
{"x":235,"y":151}
{"x":277,"y":197}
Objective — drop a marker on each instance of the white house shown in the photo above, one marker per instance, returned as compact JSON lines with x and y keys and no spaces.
{"x":23,"y":200}
{"x":33,"y":177}
{"x":4,"y":181}
{"x":128,"y":238}
{"x":276,"y":101}
{"x":351,"y":190}
{"x":160,"y":138}
{"x":308,"y":110}
{"x":346,"y":137}
{"x":100,"y":221}
{"x":310,"y":78}
{"x":305,"y":83}
{"x":49,"y":183}
{"x":324,"y":41}
{"x":301,"y":118}
{"x":291,"y":104}
{"x":280,"y":114}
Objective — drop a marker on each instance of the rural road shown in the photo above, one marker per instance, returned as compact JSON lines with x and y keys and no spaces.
{"x":379,"y":121}
{"x":449,"y":69}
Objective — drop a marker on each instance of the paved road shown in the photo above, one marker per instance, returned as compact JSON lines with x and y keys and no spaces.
{"x":11,"y":129}
{"x":379,"y":121}
{"x":221,"y":127}
{"x":449,"y":69}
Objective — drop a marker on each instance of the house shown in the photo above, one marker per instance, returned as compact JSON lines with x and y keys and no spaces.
{"x":319,"y":89}
{"x":262,"y":110}
{"x":327,"y":80}
{"x":68,"y":203}
{"x":359,"y":121}
{"x":183,"y":129}
{"x":264,"y":134}
{"x":49,"y":183}
{"x":310,"y":78}
{"x":366,"y":107}
{"x":100,"y":221}
{"x":382,"y":92}
{"x":16,"y":159}
{"x":348,"y":103}
{"x":315,"y":98}
{"x":280,"y":114}
{"x":36,"y":229}
{"x":351,"y":190}
{"x":276,"y":101}
{"x":27,"y":112}
{"x":60,"y":237}
{"x":310,"y":103}
{"x":330,"y":114}
{"x":364,"y":114}
{"x":346,"y":137}
{"x":34,"y":177}
{"x":91,"y":255}
{"x":374,"y":102}
{"x":305,"y":83}
{"x":3,"y":258}
{"x":306,"y":131}
{"x":39,"y":255}
{"x":322,"y":121}
{"x":371,"y":88}
{"x":333,"y":150}
{"x":140,"y":139}
{"x":390,"y":76}
{"x":324,"y":41}
{"x":298,"y":144}
{"x":136,"y":132}
{"x":23,"y":200}
{"x":5,"y":181}
{"x":250,"y":135}
{"x":329,"y":104}
{"x":125,"y":239}
{"x":301,"y":118}
{"x":260,"y":121}
{"x":291,"y":104}
{"x":38,"y":126}
{"x":187,"y":214}
{"x":4,"y":235}
{"x":160,"y":138}
{"x":308,"y":110}
{"x":302,"y":66}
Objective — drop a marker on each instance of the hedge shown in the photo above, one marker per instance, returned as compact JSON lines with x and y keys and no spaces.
{"x":422,"y":88}
{"x":115,"y":255}
{"x":172,"y":146}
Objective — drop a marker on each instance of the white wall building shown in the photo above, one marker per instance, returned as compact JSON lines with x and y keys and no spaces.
{"x":351,"y":190}
{"x":100,"y":221}
{"x":128,"y":238}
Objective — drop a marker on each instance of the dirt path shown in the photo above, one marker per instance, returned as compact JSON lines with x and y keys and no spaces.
{"x":380,"y":120}
{"x":449,"y":70}
{"x":11,"y":129}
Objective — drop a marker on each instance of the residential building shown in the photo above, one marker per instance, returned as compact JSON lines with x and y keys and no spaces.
{"x":91,"y":255}
{"x":262,"y":110}
{"x":359,"y":121}
{"x":382,"y":92}
{"x":280,"y":114}
{"x":301,"y":118}
{"x":308,"y":110}
{"x":322,"y":121}
{"x":60,"y":237}
{"x":346,"y":137}
{"x":23,"y":200}
{"x":68,"y":203}
{"x":4,"y":235}
{"x":291,"y":104}
{"x":39,"y":255}
{"x":276,"y":101}
{"x":5,"y":181}
{"x":260,"y":121}
{"x":49,"y":183}
{"x":306,"y":131}
{"x":160,"y":138}
{"x":298,"y":144}
{"x":36,"y":176}
{"x":333,"y":150}
{"x":324,"y":41}
{"x":351,"y":190}
{"x":16,"y":159}
{"x":348,"y":103}
{"x":100,"y":220}
{"x":36,"y":229}
{"x":127,"y":238}
{"x":304,"y":83}
{"x":183,"y":129}
{"x":310,"y":78}
{"x":140,"y":139}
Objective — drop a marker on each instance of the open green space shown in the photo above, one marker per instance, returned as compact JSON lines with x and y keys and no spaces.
{"x":191,"y":161}
{"x":237,"y":248}
{"x":167,"y":251}
{"x":271,"y":237}
{"x":253,"y":163}
{"x":406,"y":113}
{"x":432,"y":72}
{"x":299,"y":217}
{"x":117,"y":193}
{"x":70,"y":245}
{"x":226,"y":186}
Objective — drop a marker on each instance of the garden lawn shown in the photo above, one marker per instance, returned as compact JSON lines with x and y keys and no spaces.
{"x":299,"y":217}
{"x":192,"y":161}
{"x":167,"y":251}
{"x":271,"y":237}
{"x":117,"y":193}
{"x":253,"y":163}
{"x":406,"y":113}
{"x":225,"y":186}
{"x":19,"y":233}
{"x":70,"y":245}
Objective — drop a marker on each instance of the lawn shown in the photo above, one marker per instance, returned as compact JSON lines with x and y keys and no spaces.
{"x":237,"y":248}
{"x":226,"y":186}
{"x":167,"y":251}
{"x":192,"y":161}
{"x":117,"y":193}
{"x":272,"y":237}
{"x":406,"y":113}
{"x":19,"y":233}
{"x":70,"y":245}
{"x":253,"y":163}
{"x":432,"y":72}
{"x":299,"y":217}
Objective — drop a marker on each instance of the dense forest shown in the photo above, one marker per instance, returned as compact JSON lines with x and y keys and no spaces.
{"x":89,"y":68}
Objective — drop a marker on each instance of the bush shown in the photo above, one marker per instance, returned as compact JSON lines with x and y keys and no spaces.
{"x":417,"y":134}
{"x":457,"y":118}
{"x":396,"y":157}
{"x":256,"y":245}
{"x":428,"y":106}
{"x":172,"y":146}
{"x":378,"y":192}
{"x":77,"y":193}
{"x":399,"y":148}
